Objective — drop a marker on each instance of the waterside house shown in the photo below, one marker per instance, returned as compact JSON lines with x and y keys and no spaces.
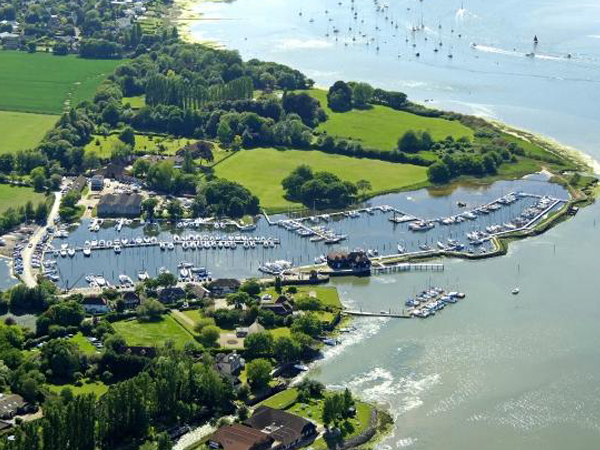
{"x":223,"y":287}
{"x":171,"y":294}
{"x":95,"y":305}
{"x":239,"y":437}
{"x":131,"y":299}
{"x":356,"y":262}
{"x":287,"y":430}
{"x":120,"y":205}
{"x":229,"y":365}
{"x":280,"y":307}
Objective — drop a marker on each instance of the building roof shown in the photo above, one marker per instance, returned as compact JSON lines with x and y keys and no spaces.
{"x":130,"y":296}
{"x":171,"y":293}
{"x":282,"y":426}
{"x":11,"y":403}
{"x":239,"y":437}
{"x":222,"y":283}
{"x":121,"y":200}
{"x":94,"y":301}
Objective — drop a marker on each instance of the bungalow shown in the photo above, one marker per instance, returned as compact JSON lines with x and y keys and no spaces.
{"x":95,"y":305}
{"x":196,"y":290}
{"x":12,"y":405}
{"x":356,"y":261}
{"x":243,"y":332}
{"x":287,"y":430}
{"x":171,"y":294}
{"x":120,"y":205}
{"x":239,"y":437}
{"x":97,"y":183}
{"x":223,"y":286}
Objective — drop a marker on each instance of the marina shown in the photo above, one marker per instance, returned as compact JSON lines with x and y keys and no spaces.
{"x":281,"y":243}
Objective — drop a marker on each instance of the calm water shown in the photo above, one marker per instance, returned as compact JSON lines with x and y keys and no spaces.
{"x":496,"y":371}
{"x":6,"y":280}
{"x":368,"y":232}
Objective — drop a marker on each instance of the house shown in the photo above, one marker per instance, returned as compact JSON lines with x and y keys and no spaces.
{"x":287,"y":430}
{"x":171,"y":294}
{"x":131,"y":300}
{"x":223,"y":286}
{"x":79,"y":184}
{"x":243,"y":332}
{"x":197,"y":290}
{"x":356,"y":261}
{"x":239,"y":437}
{"x":229,"y":365}
{"x":12,"y":405}
{"x":280,"y":307}
{"x":95,"y":305}
{"x":97,"y":183}
{"x":120,"y":205}
{"x":10,"y":41}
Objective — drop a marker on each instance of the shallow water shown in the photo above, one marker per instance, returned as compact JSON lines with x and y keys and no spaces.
{"x":6,"y":280}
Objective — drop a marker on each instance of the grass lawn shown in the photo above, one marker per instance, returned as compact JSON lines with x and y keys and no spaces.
{"x":328,"y":295}
{"x":103,"y":145}
{"x":84,"y":345}
{"x":44,"y":83}
{"x":281,"y":400}
{"x":15,"y":196}
{"x":96,"y":387}
{"x":380,"y":127}
{"x":21,"y":131}
{"x":153,"y":334}
{"x":261,"y":170}
{"x":137,"y":102}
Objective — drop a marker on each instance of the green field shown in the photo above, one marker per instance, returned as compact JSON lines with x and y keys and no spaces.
{"x":262,"y":170}
{"x":95,"y":387}
{"x":44,"y":83}
{"x":380,"y":127}
{"x":16,"y":196}
{"x":328,"y":295}
{"x":84,"y":345}
{"x":153,"y":334}
{"x":103,"y":145}
{"x":21,"y":131}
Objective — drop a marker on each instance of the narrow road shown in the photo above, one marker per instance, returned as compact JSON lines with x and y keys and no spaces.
{"x":27,"y":276}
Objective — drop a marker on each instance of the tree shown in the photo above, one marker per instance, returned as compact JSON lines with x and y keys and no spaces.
{"x":258,"y":373}
{"x":140,"y":167}
{"x":209,"y":337}
{"x":363,"y":186}
{"x":62,"y":358}
{"x":174,"y":209}
{"x":409,"y":142}
{"x":251,"y":287}
{"x":308,"y":324}
{"x":188,"y":166}
{"x":127,"y":136}
{"x":361,"y":95}
{"x":259,"y":345}
{"x":438,"y":173}
{"x":286,"y":350}
{"x":149,"y":206}
{"x":150,"y":311}
{"x":339,"y":97}
{"x":163,"y":442}
{"x":166,"y":279}
{"x":239,"y":299}
{"x":38,"y":178}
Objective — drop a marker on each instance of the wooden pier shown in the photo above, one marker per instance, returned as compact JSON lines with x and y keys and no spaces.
{"x":374,"y":314}
{"x":407,"y":267}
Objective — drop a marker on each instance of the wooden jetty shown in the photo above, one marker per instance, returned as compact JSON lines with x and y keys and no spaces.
{"x":407,"y":267}
{"x":379,"y":314}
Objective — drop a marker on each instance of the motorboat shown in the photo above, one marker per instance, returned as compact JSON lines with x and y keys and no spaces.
{"x":117,"y":249}
{"x":516,"y":291}
{"x":143,"y":275}
{"x":87,"y":251}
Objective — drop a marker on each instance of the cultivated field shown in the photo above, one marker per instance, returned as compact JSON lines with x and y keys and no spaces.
{"x":380,"y":127}
{"x":262,"y":170}
{"x":21,"y":131}
{"x":44,"y":83}
{"x":16,"y":196}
